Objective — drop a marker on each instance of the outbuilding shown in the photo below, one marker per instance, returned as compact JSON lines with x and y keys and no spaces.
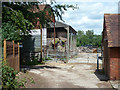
{"x":111,"y":46}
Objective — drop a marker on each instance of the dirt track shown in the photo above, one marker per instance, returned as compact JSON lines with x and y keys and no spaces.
{"x":72,"y":75}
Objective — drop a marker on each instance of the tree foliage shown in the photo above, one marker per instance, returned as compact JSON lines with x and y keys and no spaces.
{"x":9,"y":32}
{"x":20,"y":16}
{"x":14,"y":24}
{"x":88,"y":38}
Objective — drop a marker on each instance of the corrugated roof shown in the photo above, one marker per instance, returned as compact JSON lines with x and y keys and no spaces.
{"x":112,"y":27}
{"x":60,"y":24}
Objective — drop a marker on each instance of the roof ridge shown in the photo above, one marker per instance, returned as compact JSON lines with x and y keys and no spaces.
{"x":111,"y":14}
{"x":62,"y":23}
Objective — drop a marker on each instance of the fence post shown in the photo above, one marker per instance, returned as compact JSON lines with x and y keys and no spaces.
{"x":5,"y":51}
{"x":13,"y":49}
{"x":18,"y":57}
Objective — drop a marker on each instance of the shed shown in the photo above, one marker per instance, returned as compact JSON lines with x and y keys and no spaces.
{"x":111,"y":45}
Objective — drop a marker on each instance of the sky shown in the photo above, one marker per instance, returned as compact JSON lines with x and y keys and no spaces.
{"x":90,"y":14}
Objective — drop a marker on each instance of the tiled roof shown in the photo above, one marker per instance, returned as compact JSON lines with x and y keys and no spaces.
{"x":112,"y":27}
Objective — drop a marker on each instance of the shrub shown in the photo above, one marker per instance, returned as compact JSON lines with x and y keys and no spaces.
{"x":9,"y":78}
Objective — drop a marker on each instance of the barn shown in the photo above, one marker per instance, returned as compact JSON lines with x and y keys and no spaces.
{"x":65,"y":38}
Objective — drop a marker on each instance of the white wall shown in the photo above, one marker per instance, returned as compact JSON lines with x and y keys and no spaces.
{"x":36,"y":32}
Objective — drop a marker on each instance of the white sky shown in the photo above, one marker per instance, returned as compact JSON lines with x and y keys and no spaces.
{"x":86,"y":0}
{"x":89,"y":15}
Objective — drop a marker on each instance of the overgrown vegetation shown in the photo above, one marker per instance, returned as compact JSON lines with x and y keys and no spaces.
{"x":9,"y":78}
{"x":88,"y":38}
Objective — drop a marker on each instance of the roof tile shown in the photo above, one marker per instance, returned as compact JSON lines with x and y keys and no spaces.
{"x":112,"y":22}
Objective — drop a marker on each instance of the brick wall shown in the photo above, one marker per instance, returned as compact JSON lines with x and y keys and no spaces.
{"x":118,"y":68}
{"x":114,"y":58}
{"x":112,"y":62}
{"x":106,"y":59}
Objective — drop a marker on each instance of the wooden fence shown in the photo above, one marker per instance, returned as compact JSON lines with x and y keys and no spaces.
{"x":12,"y":54}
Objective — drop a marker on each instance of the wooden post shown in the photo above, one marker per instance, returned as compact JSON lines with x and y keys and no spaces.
{"x":54,"y":36}
{"x":54,"y":40}
{"x":13,"y":48}
{"x":5,"y":51}
{"x":18,"y":57}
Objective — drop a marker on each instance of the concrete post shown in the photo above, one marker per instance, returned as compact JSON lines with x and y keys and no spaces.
{"x":71,"y":42}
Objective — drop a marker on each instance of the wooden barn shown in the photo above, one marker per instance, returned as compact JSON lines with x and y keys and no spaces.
{"x":65,"y":38}
{"x":111,"y":46}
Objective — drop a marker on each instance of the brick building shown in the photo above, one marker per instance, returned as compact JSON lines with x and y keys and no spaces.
{"x":111,"y":46}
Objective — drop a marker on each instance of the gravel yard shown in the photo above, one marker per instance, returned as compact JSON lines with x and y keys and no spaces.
{"x":77,"y":73}
{"x":86,"y":58}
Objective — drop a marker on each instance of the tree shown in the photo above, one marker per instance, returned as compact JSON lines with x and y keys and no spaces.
{"x":80,"y":33}
{"x":14,"y":24}
{"x":88,"y":39}
{"x":89,"y":34}
{"x":9,"y":32}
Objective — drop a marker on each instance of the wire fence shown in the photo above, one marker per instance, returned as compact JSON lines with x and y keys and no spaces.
{"x":12,"y":54}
